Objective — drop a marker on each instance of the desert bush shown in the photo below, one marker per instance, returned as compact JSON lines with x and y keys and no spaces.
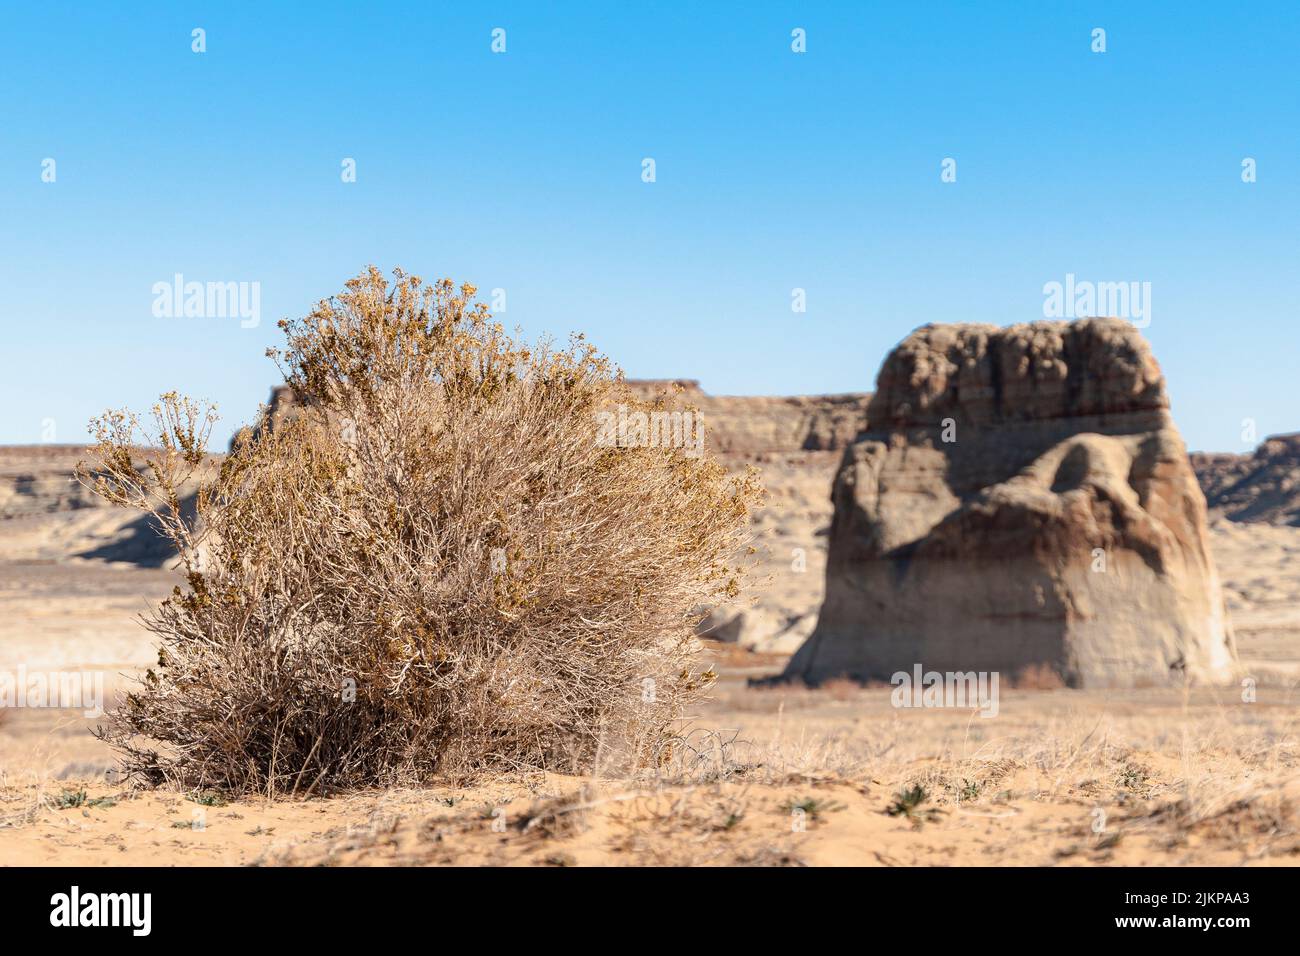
{"x":435,"y":569}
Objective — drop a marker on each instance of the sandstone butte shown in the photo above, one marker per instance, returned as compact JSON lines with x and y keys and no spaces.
{"x":1020,"y":502}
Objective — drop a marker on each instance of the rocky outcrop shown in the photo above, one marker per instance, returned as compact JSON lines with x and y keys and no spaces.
{"x":757,"y":425}
{"x":1020,"y":501}
{"x":1260,"y":487}
{"x":46,"y":513}
{"x":795,"y":442}
{"x":763,"y":628}
{"x":39,"y":479}
{"x":283,"y":405}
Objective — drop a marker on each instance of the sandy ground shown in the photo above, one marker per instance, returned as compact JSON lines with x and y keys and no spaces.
{"x":775,"y":777}
{"x":779,"y":776}
{"x":782,"y":776}
{"x":1260,"y":569}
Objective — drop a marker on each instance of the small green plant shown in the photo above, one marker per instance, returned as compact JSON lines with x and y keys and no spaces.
{"x":69,"y":799}
{"x":813,"y":807}
{"x":907,"y":803}
{"x":1110,"y":840}
{"x":970,"y":791}
{"x":208,"y":798}
{"x":102,"y":803}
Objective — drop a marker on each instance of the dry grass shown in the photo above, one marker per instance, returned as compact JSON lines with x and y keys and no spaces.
{"x":1038,"y":806}
{"x":439,"y":571}
{"x":1059,"y":777}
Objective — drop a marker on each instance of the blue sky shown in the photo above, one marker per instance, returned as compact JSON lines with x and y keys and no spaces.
{"x":522,"y":171}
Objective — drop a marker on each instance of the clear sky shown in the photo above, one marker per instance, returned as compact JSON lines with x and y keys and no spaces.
{"x":522,"y":170}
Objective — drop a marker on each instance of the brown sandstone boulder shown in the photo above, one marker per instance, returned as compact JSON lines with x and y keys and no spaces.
{"x":1020,"y":501}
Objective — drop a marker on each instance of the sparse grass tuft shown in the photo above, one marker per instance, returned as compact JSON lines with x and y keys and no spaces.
{"x":907,"y":800}
{"x":907,"y":803}
{"x":813,"y":807}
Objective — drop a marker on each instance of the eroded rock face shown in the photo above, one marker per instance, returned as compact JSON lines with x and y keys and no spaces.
{"x":1260,"y":487}
{"x":1020,"y":501}
{"x":38,"y":479}
{"x":283,"y":406}
{"x":749,"y":426}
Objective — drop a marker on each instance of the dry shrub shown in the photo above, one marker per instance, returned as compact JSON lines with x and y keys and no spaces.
{"x":436,"y":569}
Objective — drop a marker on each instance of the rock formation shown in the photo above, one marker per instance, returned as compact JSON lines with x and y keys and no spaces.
{"x":795,"y":442}
{"x":1020,"y":501}
{"x":46,"y":514}
{"x":757,"y":425}
{"x":283,"y":405}
{"x":38,"y":480}
{"x":1261,"y":487}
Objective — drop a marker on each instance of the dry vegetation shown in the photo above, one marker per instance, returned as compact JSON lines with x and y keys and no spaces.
{"x":438,"y":571}
{"x":1059,"y":777}
{"x":440,"y":535}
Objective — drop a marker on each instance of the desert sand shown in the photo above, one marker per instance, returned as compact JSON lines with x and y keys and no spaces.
{"x":780,"y":775}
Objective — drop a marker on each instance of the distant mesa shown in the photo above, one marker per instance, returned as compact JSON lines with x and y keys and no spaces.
{"x":759,"y":425}
{"x":1020,"y":501}
{"x":1259,"y":487}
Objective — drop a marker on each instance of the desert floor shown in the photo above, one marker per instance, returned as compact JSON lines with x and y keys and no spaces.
{"x":783,"y":776}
